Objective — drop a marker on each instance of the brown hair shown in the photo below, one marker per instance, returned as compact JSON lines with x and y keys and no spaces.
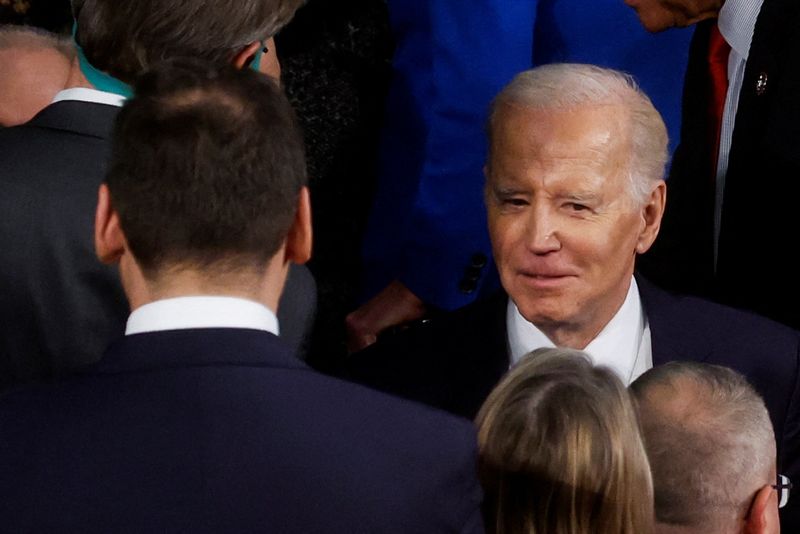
{"x":126,"y":37}
{"x":206,"y":167}
{"x":561,"y":452}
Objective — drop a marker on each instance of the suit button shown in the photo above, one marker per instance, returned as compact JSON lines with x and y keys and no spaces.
{"x":467,"y":286}
{"x":479,"y":260}
{"x":472,"y":274}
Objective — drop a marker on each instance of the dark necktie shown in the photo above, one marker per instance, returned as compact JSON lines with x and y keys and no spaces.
{"x":718,"y":51}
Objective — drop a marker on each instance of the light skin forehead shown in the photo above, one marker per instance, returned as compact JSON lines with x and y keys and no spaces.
{"x":586,"y":147}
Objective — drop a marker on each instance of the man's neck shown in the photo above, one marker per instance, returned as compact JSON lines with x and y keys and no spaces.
{"x":76,"y":77}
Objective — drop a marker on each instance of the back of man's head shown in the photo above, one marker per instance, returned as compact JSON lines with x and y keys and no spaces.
{"x":126,"y":37}
{"x":206,"y":169}
{"x":711,"y":448}
{"x":34,"y":66}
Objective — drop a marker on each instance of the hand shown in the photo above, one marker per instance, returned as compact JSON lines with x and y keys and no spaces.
{"x":395,"y":305}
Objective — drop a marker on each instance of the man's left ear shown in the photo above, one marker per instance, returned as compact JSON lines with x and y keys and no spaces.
{"x":299,"y":240}
{"x":763,"y":515}
{"x":652,"y":212}
{"x":109,"y":241}
{"x":244,"y":57}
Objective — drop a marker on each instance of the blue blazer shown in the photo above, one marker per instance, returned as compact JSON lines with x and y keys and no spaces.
{"x":454,"y":361}
{"x":222,"y":430}
{"x":428,"y":227}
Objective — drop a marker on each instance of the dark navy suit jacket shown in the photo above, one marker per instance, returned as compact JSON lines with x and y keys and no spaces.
{"x":59,"y":306}
{"x":222,"y":430}
{"x":453,"y":362}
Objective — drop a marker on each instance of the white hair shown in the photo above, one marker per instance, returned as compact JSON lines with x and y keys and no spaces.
{"x":567,"y":86}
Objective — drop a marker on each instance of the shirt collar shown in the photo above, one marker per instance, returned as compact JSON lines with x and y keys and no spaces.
{"x":201,"y":312}
{"x":737,"y":21}
{"x":616,"y":346}
{"x":84,"y":94}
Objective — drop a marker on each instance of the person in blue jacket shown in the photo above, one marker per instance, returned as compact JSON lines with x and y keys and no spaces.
{"x":426,"y":245}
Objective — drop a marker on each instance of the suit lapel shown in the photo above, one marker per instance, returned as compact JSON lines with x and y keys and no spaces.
{"x":673,"y":327}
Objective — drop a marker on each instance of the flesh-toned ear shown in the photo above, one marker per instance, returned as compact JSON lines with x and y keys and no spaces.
{"x":243,"y":57}
{"x":109,"y":241}
{"x":652,"y":212}
{"x":763,"y":515}
{"x":299,"y":240}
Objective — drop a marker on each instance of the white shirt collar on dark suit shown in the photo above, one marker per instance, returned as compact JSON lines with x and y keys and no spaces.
{"x":624,"y":344}
{"x":201,"y":312}
{"x":84,"y":94}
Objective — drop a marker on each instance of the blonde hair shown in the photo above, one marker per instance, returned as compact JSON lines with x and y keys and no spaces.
{"x":561,"y":451}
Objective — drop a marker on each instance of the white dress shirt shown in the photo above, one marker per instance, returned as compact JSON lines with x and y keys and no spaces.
{"x":623,"y":345}
{"x":201,"y":312}
{"x":84,"y":94}
{"x":736,"y":22}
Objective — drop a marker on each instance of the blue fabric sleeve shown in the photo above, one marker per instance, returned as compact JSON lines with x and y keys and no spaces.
{"x":429,"y":221}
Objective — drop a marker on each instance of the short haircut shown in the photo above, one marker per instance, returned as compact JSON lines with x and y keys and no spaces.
{"x":206,"y":167}
{"x":126,"y":37}
{"x":32,"y":38}
{"x":560,"y":450}
{"x":569,"y":86}
{"x":710,"y":442}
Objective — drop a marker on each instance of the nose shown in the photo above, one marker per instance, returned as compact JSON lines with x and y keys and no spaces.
{"x":542,"y":232}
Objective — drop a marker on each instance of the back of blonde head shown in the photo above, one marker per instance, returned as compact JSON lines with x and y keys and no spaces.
{"x":561,"y":451}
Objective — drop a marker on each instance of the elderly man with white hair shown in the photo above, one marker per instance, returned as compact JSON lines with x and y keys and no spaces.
{"x":574,"y":193}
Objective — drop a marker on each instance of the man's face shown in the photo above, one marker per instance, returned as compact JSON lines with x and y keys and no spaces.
{"x":564,"y":229}
{"x":659,"y":15}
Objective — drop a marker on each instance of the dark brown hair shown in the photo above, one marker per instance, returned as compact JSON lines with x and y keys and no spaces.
{"x":206,"y":168}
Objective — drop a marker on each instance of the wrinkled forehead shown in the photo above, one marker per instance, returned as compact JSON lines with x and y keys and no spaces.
{"x":591,"y":140}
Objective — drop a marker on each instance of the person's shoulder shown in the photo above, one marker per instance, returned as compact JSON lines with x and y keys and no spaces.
{"x":379,"y":409}
{"x":692,"y":317}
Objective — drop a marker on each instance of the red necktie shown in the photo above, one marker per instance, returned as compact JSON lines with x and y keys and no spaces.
{"x":718,"y":51}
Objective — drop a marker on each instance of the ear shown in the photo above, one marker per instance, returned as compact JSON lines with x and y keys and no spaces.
{"x":246,"y":55}
{"x":109,"y":241}
{"x":763,"y":516}
{"x":652,"y":212}
{"x":299,"y":240}
{"x":270,"y":65}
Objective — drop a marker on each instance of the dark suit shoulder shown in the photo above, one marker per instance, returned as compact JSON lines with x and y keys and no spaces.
{"x":253,"y":434}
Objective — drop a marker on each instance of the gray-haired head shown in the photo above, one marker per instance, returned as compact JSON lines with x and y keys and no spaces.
{"x":32,"y":38}
{"x":710,"y":442}
{"x":567,"y":86}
